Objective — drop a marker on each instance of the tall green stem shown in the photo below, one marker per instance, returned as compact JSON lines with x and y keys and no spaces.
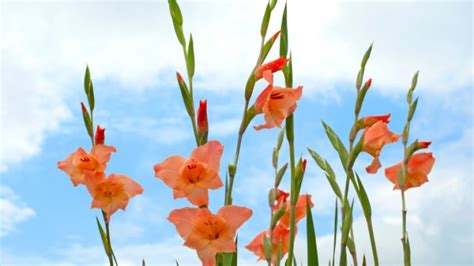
{"x":294,"y":197}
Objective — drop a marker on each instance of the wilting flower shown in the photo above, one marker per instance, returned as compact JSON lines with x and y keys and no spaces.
{"x":368,"y":121}
{"x":99,"y":135}
{"x":209,"y":233}
{"x":203,"y":125}
{"x":300,"y":210}
{"x":280,"y":238}
{"x":112,"y":193}
{"x":418,"y":168}
{"x":276,"y":103}
{"x":81,"y":162}
{"x":191,"y":178}
{"x":270,"y":67}
{"x":375,"y":137}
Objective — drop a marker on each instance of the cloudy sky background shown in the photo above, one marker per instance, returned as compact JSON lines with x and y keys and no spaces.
{"x":133,"y":55}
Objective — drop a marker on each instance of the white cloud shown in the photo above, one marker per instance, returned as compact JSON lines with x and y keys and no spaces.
{"x":46,"y":46}
{"x":12,"y":211}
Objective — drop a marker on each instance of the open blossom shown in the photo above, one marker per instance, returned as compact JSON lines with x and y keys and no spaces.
{"x":418,"y":168}
{"x":281,"y":237}
{"x":276,"y":103}
{"x":112,"y":193}
{"x":368,"y":121}
{"x":80,"y":162}
{"x":270,"y":67}
{"x":375,"y":137}
{"x":209,"y":233}
{"x":191,"y":178}
{"x":300,"y":210}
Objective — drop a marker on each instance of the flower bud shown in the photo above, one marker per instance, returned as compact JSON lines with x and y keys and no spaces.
{"x":99,"y":135}
{"x":368,"y":121}
{"x":202,"y":122}
{"x":273,"y":66}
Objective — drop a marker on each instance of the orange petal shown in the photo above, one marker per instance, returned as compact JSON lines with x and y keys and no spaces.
{"x":67,"y":166}
{"x":178,"y":194}
{"x":262,"y":99}
{"x":195,"y":241}
{"x":102,"y":153}
{"x":256,"y":246}
{"x":197,"y":196}
{"x":210,"y":180}
{"x":234,"y":216}
{"x":131,"y":187}
{"x":209,"y":153}
{"x":374,"y":166}
{"x":182,"y":219}
{"x":168,"y":170}
{"x":208,"y":256}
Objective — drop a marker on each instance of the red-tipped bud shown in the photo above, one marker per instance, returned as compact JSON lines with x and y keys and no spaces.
{"x":84,"y":109}
{"x":273,"y":66}
{"x":99,"y":135}
{"x":180,"y":78}
{"x":423,"y":144}
{"x":203,"y":125}
{"x":368,"y":121}
{"x":303,"y":165}
{"x":275,"y":36}
{"x":367,"y":84}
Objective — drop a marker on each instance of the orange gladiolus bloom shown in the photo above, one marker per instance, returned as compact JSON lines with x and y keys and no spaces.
{"x":191,"y":178}
{"x":276,"y":103}
{"x":375,"y":137}
{"x":368,"y":121}
{"x":281,"y":237}
{"x":80,"y":162}
{"x":418,"y":168}
{"x":281,"y":198}
{"x":270,"y":67}
{"x":112,"y":193}
{"x":300,"y":210}
{"x":209,"y":233}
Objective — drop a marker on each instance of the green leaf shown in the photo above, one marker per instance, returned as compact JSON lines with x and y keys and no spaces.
{"x":347,"y":224}
{"x":288,"y":73}
{"x":364,"y":199}
{"x":354,"y":153}
{"x":267,"y":248}
{"x":366,"y":56}
{"x":318,"y":159}
{"x":335,"y":187}
{"x":265,"y":21}
{"x":87,"y":80}
{"x":266,"y":49}
{"x":278,"y":258}
{"x":284,"y":34}
{"x":412,"y":109}
{"x":250,"y":85}
{"x":280,"y":174}
{"x":407,"y":253}
{"x":228,"y":258}
{"x":177,"y":18}
{"x":88,"y":123}
{"x":336,"y":143}
{"x":335,"y":233}
{"x":186,"y":96}
{"x":103,"y":236}
{"x":280,"y":138}
{"x":312,"y":248}
{"x":414,"y":82}
{"x":190,"y":57}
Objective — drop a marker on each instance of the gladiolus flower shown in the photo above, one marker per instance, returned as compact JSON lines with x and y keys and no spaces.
{"x":375,"y":137}
{"x":80,"y":162}
{"x":368,"y":121}
{"x":191,"y":178}
{"x":114,"y":192}
{"x":276,"y":103}
{"x":281,"y":198}
{"x":270,"y":67}
{"x":209,"y":233}
{"x":99,"y":135}
{"x":281,"y":237}
{"x":202,"y":122}
{"x":300,"y":210}
{"x":418,"y":168}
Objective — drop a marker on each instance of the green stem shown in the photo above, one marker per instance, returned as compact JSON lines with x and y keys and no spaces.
{"x":294,"y":197}
{"x":107,"y":232}
{"x":372,"y":240}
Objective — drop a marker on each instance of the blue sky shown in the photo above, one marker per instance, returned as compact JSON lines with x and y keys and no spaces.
{"x":133,"y":55}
